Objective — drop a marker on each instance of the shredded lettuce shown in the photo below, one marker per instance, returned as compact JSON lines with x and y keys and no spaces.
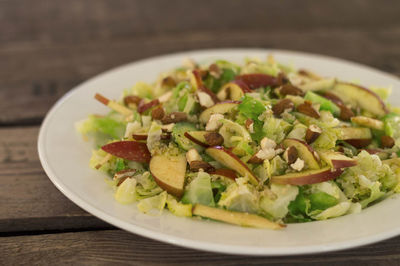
{"x":156,"y":203}
{"x":126,"y":192}
{"x":177,"y":208}
{"x":277,"y":206}
{"x":240,"y":196}
{"x":199,"y":191}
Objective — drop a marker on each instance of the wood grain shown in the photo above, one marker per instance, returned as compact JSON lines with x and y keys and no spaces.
{"x":55,"y":46}
{"x":29,"y":201}
{"x":119,"y":247}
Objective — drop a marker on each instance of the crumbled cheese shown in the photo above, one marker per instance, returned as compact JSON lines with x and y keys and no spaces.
{"x":297,"y":80}
{"x":168,"y":127}
{"x":214,"y":122}
{"x":165,"y":97}
{"x":298,"y":165}
{"x":205,"y":99}
{"x":251,"y":127}
{"x":267,"y":149}
{"x":192,"y":155}
{"x":131,"y":127}
{"x":266,"y":154}
{"x":267,"y":143}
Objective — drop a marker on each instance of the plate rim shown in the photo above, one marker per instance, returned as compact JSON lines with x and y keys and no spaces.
{"x":184,"y":242}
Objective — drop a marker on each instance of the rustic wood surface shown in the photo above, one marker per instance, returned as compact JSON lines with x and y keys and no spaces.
{"x":47,"y":47}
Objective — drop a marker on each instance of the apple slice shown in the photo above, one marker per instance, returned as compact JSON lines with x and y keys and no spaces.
{"x":231,"y":161}
{"x":142,"y":107}
{"x":198,"y":82}
{"x":307,"y":177}
{"x":233,"y":90}
{"x":255,"y":81}
{"x":224,"y":172}
{"x":361,"y":97}
{"x":337,"y":160}
{"x":367,"y":122}
{"x":197,"y":137}
{"x":346,"y":133}
{"x":219,"y":108}
{"x":169,"y":172}
{"x":129,"y":150}
{"x":305,"y":152}
{"x":237,"y":218}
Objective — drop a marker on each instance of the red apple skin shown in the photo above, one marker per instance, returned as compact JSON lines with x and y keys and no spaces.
{"x":339,"y":164}
{"x":359,"y":143}
{"x":253,"y":179}
{"x":300,"y":179}
{"x":139,"y":136}
{"x":198,"y":142}
{"x":171,"y":190}
{"x":255,"y":81}
{"x":201,"y":87}
{"x":142,"y":107}
{"x":129,"y":150}
{"x":224,"y":172}
{"x":373,"y":151}
{"x":242,"y":85}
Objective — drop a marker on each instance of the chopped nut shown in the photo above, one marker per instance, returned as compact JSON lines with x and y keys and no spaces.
{"x":312,"y":133}
{"x":250,"y":125}
{"x":387,"y":142}
{"x":298,"y":165}
{"x":282,"y":79}
{"x":215,"y":71}
{"x":192,"y":155}
{"x":132,"y":99}
{"x":307,"y":109}
{"x":281,"y":106}
{"x":345,"y":113}
{"x":195,"y":166}
{"x":289,"y":89}
{"x":267,"y":143}
{"x":291,"y":155}
{"x":174,"y":117}
{"x":158,"y":113}
{"x":256,"y":160}
{"x":213,"y":138}
{"x":214,"y":122}
{"x":205,"y":99}
{"x":168,"y":82}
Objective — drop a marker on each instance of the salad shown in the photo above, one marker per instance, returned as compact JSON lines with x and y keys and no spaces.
{"x":259,"y":144}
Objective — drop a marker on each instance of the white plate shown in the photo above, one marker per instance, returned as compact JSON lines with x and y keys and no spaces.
{"x":64,"y":156}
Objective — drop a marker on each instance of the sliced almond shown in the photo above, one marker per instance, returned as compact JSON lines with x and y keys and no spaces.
{"x":312,"y":133}
{"x":174,"y":117}
{"x":345,"y":113}
{"x":290,"y":155}
{"x":213,"y":138}
{"x":289,"y":89}
{"x":387,"y":142}
{"x":158,"y":113}
{"x":132,"y":99}
{"x":215,"y":71}
{"x":196,"y":166}
{"x":307,"y":109}
{"x":168,"y":82}
{"x":281,"y":106}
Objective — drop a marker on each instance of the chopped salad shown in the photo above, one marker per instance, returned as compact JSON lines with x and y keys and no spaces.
{"x":260,"y":144}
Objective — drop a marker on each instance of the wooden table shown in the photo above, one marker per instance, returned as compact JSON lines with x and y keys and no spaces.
{"x":48,"y":47}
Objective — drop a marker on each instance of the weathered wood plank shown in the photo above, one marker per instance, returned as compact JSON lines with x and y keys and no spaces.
{"x":29,"y":201}
{"x":51,"y":21}
{"x":34,"y":75}
{"x":116,"y":247}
